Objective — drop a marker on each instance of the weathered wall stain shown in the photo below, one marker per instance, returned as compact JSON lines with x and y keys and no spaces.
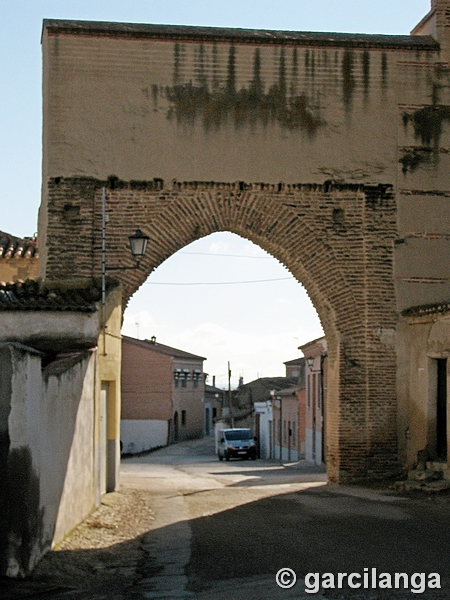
{"x":5,"y":409}
{"x":384,"y":69}
{"x":366,"y":71}
{"x":216,"y":106}
{"x":428,"y":123}
{"x":26,"y":517}
{"x":348,"y":79}
{"x":4,"y":512}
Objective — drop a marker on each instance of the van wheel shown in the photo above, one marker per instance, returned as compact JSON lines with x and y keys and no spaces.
{"x":220,"y":457}
{"x":227,"y":458}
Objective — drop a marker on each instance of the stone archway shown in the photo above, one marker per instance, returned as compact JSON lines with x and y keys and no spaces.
{"x":337,"y":240}
{"x":181,"y":124}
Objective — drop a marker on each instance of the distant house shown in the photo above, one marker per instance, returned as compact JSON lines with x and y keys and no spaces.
{"x":163,"y":393}
{"x":256,"y":397}
{"x":295,"y":368}
{"x":288,"y":424}
{"x":316,"y":368}
{"x":288,"y":414}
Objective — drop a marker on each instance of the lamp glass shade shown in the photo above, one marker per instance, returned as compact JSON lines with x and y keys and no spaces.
{"x":138,"y":243}
{"x":310,"y":362}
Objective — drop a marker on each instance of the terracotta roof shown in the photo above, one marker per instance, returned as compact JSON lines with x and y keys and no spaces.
{"x":60,"y":296}
{"x":14,"y":247}
{"x":257,"y":36}
{"x":157,"y":347}
{"x":427,"y":309}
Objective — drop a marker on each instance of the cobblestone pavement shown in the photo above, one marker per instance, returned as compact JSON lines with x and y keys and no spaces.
{"x":186,"y":526}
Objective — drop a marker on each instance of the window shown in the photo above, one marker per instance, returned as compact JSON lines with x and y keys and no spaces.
{"x":176,"y":377}
{"x":294,"y":434}
{"x":214,"y":414}
{"x":183,"y":417}
{"x":196,"y":376}
{"x":284,"y":432}
{"x":184,"y":377}
{"x":308,"y":389}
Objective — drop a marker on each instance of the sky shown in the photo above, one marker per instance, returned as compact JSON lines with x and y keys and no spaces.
{"x":257,"y":326}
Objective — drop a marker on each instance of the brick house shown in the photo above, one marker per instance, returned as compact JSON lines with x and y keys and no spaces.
{"x":316,"y":369}
{"x":286,"y":419}
{"x":288,"y":414}
{"x":163,"y":394}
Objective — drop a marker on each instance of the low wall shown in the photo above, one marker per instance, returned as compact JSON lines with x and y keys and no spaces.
{"x":139,"y":435}
{"x":46,"y":452}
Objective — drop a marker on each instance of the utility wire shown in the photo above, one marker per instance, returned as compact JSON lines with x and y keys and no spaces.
{"x":219,"y":282}
{"x":231,"y":255}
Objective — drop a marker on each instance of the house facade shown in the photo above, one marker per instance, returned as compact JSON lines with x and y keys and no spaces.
{"x":286,"y":406}
{"x":316,"y":370}
{"x":163,"y":395}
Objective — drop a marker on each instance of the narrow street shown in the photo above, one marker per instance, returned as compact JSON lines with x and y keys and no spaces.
{"x":223,"y":530}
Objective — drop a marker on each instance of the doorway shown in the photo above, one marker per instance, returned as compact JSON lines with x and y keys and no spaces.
{"x":103,"y":445}
{"x":175,"y":427}
{"x":441,"y":410}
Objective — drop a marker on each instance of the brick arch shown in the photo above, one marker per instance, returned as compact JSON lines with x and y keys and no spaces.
{"x":337,"y":240}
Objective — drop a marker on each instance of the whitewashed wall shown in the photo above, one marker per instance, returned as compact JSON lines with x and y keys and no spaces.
{"x":140,"y":435}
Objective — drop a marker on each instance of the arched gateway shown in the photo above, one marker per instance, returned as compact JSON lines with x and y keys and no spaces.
{"x":310,"y":145}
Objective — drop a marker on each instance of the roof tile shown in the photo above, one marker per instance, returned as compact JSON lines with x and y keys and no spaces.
{"x":14,"y":247}
{"x":53,"y":296}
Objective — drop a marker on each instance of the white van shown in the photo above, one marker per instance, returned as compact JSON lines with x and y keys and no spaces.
{"x":236,"y":443}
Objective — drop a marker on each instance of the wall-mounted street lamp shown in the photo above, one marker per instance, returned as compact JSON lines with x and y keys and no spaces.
{"x":138,"y":247}
{"x":310,"y":361}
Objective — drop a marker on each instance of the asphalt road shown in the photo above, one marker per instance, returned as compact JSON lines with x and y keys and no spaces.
{"x":223,"y":530}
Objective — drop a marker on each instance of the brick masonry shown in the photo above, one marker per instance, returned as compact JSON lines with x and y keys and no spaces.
{"x":351,"y":134}
{"x":335,"y":239}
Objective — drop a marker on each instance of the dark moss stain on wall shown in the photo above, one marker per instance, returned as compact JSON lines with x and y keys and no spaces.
{"x":200,"y":66}
{"x":384,"y":69}
{"x":294,"y":74}
{"x":348,"y":79}
{"x":428,"y":123}
{"x":366,"y":71}
{"x":179,"y":61}
{"x":216,"y":106}
{"x":215,"y":68}
{"x":413,"y":158}
{"x":155,"y":93}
